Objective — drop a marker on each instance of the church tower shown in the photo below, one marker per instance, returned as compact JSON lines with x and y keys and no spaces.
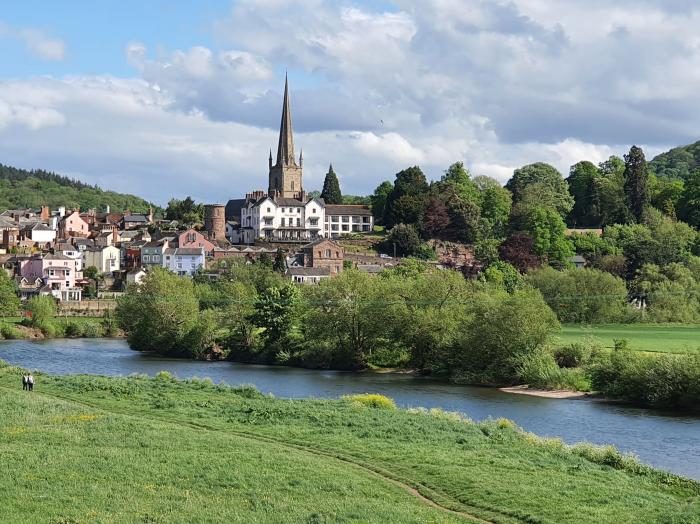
{"x":285,"y":174}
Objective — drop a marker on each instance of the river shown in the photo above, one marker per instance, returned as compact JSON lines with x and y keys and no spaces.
{"x":665,"y":440}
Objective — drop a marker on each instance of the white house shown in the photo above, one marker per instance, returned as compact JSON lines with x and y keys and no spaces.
{"x":72,"y":252}
{"x":279,"y":219}
{"x":41,"y":233}
{"x":105,"y":259}
{"x":135,"y":276}
{"x":184,"y":261}
{"x":347,"y":219}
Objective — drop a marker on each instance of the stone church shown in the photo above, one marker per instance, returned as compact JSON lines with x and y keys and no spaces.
{"x":285,"y":212}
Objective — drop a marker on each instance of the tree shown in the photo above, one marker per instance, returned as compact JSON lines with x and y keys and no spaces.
{"x":689,"y":204}
{"x":378,"y":200}
{"x":406,"y":201}
{"x":42,"y":309}
{"x":265,"y":260}
{"x":187,"y":211}
{"x":581,"y":181}
{"x":331,"y":188}
{"x":636,"y":182}
{"x":548,"y":179}
{"x":464,"y":218}
{"x":609,"y":192}
{"x":280,"y":264}
{"x":405,"y":239}
{"x":548,"y":231}
{"x":503,"y":275}
{"x":159,"y":314}
{"x":276,"y":310}
{"x":496,"y":203}
{"x":9,"y":301}
{"x":459,"y":178}
{"x":435,"y":219}
{"x":519,"y":251}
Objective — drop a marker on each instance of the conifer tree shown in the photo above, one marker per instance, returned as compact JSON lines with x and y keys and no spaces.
{"x":636,"y":182}
{"x":280,"y":264}
{"x":331,"y":188}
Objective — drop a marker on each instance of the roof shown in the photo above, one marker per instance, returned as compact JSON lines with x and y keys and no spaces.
{"x":41,"y":227}
{"x":320,"y":241}
{"x":347,"y":209}
{"x":281,"y":201}
{"x":578,"y":259}
{"x":370,"y":268}
{"x":56,"y":256}
{"x":189,"y":251}
{"x":309,"y":271}
{"x":233,"y":208}
{"x":136,"y":218}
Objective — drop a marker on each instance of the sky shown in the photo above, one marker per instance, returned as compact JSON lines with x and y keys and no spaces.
{"x":168,"y":99}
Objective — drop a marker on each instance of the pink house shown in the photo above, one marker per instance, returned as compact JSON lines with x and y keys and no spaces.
{"x":57,"y":272}
{"x":194,"y":239}
{"x":73,"y":225}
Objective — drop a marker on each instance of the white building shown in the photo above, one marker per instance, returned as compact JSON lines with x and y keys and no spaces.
{"x":41,"y":234}
{"x":105,"y":259}
{"x":72,"y":252}
{"x":285,"y":213}
{"x":184,"y":261}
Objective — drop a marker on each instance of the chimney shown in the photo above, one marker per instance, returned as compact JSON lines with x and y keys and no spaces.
{"x":115,"y":235}
{"x":45,"y":213}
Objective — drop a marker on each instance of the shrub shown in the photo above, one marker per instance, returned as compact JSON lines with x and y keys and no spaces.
{"x":73,"y":329}
{"x":164,"y":376}
{"x":372,"y":400}
{"x":574,"y":355}
{"x":9,"y":332}
{"x":540,"y":370}
{"x":42,"y":308}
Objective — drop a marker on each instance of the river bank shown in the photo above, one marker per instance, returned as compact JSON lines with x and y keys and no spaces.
{"x":294,"y":457}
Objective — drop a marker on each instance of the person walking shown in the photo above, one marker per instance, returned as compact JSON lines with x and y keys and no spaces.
{"x":30,"y":382}
{"x":25,"y":381}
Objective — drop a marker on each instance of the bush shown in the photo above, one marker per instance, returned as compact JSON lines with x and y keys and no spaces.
{"x":73,"y":329}
{"x":92,"y":330}
{"x":575,"y":355}
{"x":540,"y":370}
{"x":9,"y":332}
{"x":372,"y":400}
{"x":42,"y":308}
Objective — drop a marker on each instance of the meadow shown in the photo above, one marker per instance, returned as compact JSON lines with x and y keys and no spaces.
{"x":656,"y":338}
{"x":137,"y":449}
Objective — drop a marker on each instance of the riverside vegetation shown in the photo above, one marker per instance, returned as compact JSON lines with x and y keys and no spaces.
{"x":141,"y":449}
{"x":434,"y":321}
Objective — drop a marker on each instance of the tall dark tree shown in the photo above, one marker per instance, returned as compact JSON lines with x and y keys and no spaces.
{"x":435,"y":220}
{"x":582,"y":177}
{"x":378,"y":200}
{"x":280,"y":264}
{"x":406,"y":201}
{"x":331,"y":188}
{"x":636,"y":182}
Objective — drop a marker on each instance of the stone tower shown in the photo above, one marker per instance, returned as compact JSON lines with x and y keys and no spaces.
{"x":285,"y":174}
{"x":215,"y":221}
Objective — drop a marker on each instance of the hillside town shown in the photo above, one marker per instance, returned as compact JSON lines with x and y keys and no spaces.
{"x":74,"y":254}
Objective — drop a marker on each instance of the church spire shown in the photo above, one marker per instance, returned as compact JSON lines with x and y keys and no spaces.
{"x":285,"y":147}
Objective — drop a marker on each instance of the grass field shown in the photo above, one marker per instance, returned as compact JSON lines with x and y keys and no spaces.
{"x":658,"y":338}
{"x":95,"y":449}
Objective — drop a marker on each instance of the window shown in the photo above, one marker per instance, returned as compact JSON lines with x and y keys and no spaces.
{"x":345,"y":227}
{"x":268,"y":209}
{"x":313,"y":221}
{"x":146,"y":258}
{"x":328,"y":253}
{"x":298,"y":222}
{"x":337,"y":254}
{"x":282,"y":210}
{"x":313,"y":210}
{"x":292,"y":185}
{"x":345,"y":219}
{"x":298,"y":210}
{"x":282,"y":221}
{"x":334,"y":227}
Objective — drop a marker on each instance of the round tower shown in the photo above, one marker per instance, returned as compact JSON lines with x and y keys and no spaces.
{"x":215,"y":221}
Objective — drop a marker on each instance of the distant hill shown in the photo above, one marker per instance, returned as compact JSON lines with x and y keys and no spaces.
{"x":679,"y":162}
{"x":21,"y":188}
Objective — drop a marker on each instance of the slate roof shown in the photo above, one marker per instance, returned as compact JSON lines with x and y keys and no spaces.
{"x":309,"y":271}
{"x":347,"y":209}
{"x":233,"y":209}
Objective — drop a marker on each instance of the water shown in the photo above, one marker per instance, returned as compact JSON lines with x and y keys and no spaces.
{"x":665,"y":440}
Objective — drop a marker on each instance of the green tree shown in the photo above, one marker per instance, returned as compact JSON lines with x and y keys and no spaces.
{"x":460,"y":179}
{"x":405,"y":239}
{"x":581,"y":181}
{"x":689,"y":204}
{"x":407,"y":199}
{"x":159,"y":314}
{"x":331,"y":188}
{"x":496,"y":203}
{"x":280,"y":264}
{"x":9,"y":301}
{"x":609,"y":193}
{"x":378,"y":200}
{"x":547,"y":181}
{"x":276,"y":310}
{"x":548,"y":232}
{"x":42,"y":309}
{"x":265,"y":261}
{"x":503,"y":275}
{"x":636,"y":182}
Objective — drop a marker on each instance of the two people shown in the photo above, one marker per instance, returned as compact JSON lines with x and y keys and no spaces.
{"x":28,"y":382}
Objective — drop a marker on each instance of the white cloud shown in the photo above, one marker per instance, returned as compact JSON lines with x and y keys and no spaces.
{"x":37,"y":42}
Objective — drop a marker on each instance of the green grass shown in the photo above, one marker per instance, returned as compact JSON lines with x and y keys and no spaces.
{"x":657,"y":338}
{"x":96,"y":449}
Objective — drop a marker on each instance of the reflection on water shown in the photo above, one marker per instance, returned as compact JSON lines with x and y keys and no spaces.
{"x":666,"y":440}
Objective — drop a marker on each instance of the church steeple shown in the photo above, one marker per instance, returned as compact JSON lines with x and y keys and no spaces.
{"x":285,"y":147}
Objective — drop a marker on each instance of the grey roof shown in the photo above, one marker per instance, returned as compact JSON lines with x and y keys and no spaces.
{"x":343,"y":209}
{"x":41,"y":227}
{"x":578,"y":259}
{"x":309,"y":271}
{"x":233,"y":208}
{"x":293,"y":202}
{"x":136,"y":218}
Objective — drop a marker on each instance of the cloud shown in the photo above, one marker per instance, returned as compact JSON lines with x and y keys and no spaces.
{"x":497,"y":84}
{"x":37,"y":42}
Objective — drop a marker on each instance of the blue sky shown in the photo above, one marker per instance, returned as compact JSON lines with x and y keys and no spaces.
{"x":174,"y":98}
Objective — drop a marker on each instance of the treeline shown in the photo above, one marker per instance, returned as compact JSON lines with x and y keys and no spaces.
{"x":487,"y":331}
{"x":20,"y":188}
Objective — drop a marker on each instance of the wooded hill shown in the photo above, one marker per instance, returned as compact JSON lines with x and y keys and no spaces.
{"x":679,"y":162}
{"x":20,"y":188}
